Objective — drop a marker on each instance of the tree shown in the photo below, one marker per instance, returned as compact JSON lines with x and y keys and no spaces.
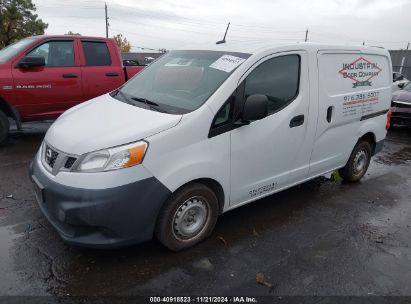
{"x":72,"y":33}
{"x":18,"y":21}
{"x":122,"y":43}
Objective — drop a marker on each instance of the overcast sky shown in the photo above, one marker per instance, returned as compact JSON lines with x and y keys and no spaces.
{"x":173,"y":23}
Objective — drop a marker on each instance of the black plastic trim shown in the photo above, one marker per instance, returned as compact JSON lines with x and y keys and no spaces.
{"x":101,"y":218}
{"x":372,"y":115}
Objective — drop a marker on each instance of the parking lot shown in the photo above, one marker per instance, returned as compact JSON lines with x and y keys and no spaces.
{"x":320,"y":238}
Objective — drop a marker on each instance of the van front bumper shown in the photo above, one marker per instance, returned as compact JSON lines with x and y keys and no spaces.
{"x":100,"y":218}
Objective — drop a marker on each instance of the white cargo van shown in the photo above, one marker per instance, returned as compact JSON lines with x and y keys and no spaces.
{"x":202,"y":131}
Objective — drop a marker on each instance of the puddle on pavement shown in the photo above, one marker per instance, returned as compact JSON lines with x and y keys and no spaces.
{"x":9,"y":283}
{"x":400,"y":157}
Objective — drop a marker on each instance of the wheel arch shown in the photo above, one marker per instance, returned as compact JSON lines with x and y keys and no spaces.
{"x":214,"y":185}
{"x":371,"y":138}
{"x":11,"y":112}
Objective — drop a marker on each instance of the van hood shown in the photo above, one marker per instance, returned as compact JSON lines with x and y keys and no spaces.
{"x":402,"y":95}
{"x":105,"y":122}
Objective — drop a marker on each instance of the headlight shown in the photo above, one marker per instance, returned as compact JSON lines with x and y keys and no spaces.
{"x":113,"y":158}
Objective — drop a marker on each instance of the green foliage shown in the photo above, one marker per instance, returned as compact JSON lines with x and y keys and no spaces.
{"x":18,"y":21}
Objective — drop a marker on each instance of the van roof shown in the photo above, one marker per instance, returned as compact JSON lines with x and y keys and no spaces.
{"x":253,"y":47}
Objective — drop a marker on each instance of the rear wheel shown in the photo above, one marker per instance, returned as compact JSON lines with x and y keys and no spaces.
{"x":358,"y":162}
{"x":4,"y":127}
{"x":188,"y":217}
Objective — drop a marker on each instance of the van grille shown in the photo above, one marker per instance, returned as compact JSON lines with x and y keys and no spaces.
{"x":50,"y":156}
{"x":70,"y":162}
{"x":55,"y":160}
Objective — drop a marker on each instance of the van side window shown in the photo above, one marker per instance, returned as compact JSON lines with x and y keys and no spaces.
{"x":56,"y":53}
{"x":223,"y":116}
{"x":96,"y":53}
{"x":277,"y":78}
{"x":223,"y":121}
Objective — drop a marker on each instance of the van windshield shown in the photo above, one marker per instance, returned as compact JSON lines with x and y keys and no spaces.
{"x":408,"y":87}
{"x":13,"y":49}
{"x":180,"y":81}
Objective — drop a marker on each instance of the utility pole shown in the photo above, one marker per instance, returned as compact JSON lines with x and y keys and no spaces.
{"x":403,"y":58}
{"x":223,"y":41}
{"x":105,"y":8}
{"x":306,"y":35}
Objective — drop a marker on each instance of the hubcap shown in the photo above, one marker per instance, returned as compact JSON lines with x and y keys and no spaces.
{"x":190,"y":218}
{"x":360,"y":162}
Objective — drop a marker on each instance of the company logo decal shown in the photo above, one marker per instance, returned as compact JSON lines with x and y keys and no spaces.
{"x":361,"y":71}
{"x":38,"y":86}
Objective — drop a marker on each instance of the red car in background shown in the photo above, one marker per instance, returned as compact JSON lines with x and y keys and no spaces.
{"x":43,"y":76}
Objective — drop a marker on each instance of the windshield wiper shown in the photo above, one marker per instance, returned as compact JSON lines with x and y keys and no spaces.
{"x":146,"y":101}
{"x":151,"y":104}
{"x":123,"y":96}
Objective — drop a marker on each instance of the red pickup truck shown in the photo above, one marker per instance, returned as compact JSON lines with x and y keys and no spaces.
{"x":42,"y":76}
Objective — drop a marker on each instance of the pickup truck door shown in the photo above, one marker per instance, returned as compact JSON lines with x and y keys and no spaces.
{"x":274,"y":152}
{"x":46,"y":92}
{"x":102,"y":68}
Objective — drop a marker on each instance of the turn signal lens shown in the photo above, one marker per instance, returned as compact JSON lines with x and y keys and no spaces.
{"x":136,"y":155}
{"x":126,"y":156}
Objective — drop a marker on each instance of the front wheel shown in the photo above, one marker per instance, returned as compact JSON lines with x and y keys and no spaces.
{"x":358,"y":162}
{"x":4,"y":126}
{"x":188,"y":217}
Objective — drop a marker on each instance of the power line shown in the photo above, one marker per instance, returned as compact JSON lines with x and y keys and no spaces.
{"x":208,"y":28}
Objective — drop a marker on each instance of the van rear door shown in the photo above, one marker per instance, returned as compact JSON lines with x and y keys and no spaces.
{"x":353,"y":86}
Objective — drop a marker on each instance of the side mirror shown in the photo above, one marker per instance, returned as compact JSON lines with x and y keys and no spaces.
{"x":255,"y":107}
{"x":31,"y":62}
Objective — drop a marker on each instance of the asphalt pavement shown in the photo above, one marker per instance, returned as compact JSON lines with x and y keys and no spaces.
{"x":321,"y":238}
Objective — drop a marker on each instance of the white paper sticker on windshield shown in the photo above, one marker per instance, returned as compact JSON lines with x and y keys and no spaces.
{"x":227,"y":63}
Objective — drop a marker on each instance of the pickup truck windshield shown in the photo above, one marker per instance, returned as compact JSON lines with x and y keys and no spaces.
{"x":180,"y":81}
{"x":13,"y":49}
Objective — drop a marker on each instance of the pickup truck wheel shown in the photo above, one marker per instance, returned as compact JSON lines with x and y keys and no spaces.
{"x":188,"y":217}
{"x":4,"y":127}
{"x":358,"y":162}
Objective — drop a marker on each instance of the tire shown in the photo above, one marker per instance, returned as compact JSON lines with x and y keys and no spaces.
{"x":358,"y":162}
{"x":188,"y":217}
{"x":4,"y":127}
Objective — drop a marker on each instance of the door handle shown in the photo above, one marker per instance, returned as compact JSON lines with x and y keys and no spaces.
{"x":112,"y":74}
{"x":70,"y":76}
{"x":330,"y":114}
{"x":297,"y":121}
